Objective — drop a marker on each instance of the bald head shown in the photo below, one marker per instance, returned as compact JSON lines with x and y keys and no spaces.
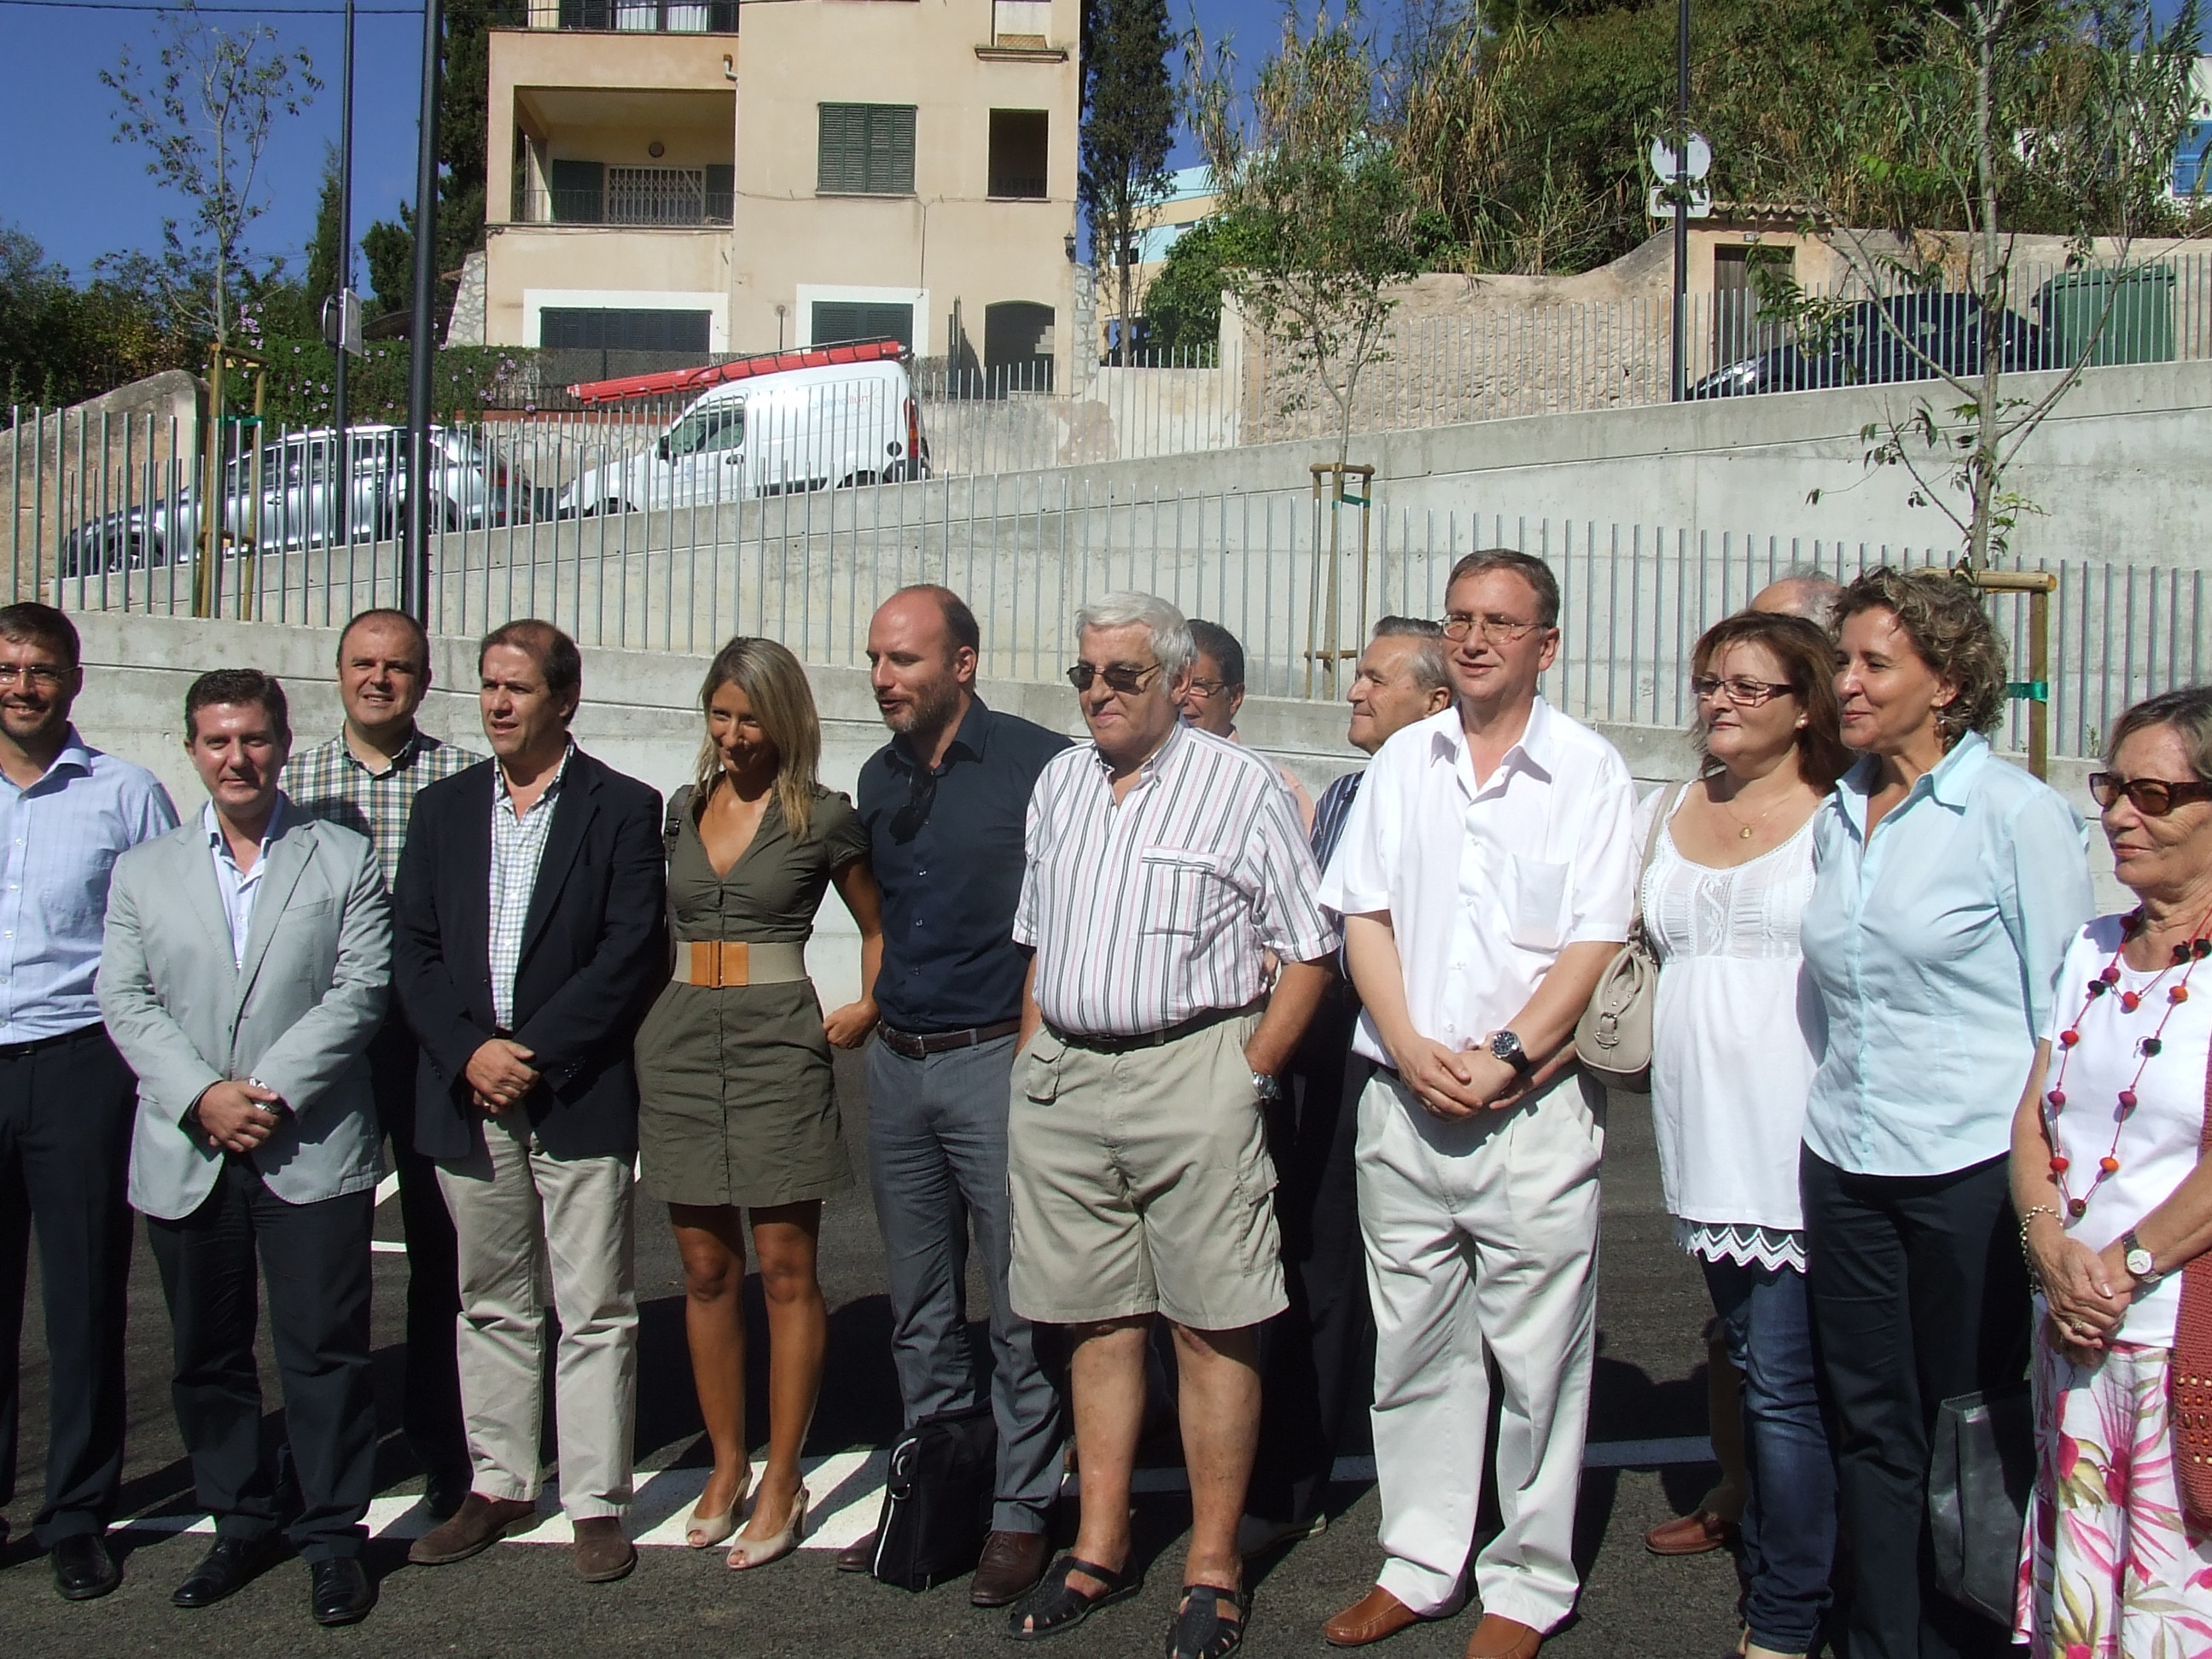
{"x":1812,"y":598}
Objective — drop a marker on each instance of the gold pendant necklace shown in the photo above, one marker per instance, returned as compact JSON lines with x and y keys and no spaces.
{"x":1744,"y":830}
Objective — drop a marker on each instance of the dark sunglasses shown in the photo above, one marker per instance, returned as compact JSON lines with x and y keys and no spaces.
{"x":1119,"y":677}
{"x":2152,"y":797}
{"x":922,"y":796}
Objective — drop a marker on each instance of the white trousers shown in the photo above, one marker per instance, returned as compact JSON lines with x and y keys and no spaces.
{"x":1481,"y":1242}
{"x":522,"y":1217}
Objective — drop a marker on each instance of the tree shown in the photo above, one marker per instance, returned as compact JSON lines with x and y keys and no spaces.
{"x":1182,"y":305}
{"x":1128,"y":126}
{"x":61,"y":343}
{"x":1314,"y":180}
{"x":205,"y":110}
{"x":2005,"y":115}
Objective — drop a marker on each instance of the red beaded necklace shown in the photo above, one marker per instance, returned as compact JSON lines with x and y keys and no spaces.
{"x":2186,"y":956}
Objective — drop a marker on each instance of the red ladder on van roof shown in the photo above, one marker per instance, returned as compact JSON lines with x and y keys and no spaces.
{"x":739,"y":368}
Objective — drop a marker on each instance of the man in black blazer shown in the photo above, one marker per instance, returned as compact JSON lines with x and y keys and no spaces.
{"x":530,"y":941}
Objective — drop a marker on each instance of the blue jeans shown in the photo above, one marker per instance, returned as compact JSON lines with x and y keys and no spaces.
{"x":1788,"y":1523}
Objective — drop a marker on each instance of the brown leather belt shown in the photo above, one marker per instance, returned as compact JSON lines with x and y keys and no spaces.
{"x":915,"y":1046}
{"x":1112,"y":1044}
{"x":716,"y":963}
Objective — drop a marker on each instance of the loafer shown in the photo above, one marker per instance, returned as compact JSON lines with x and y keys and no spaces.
{"x":1503,"y":1638}
{"x":1375,"y":1615}
{"x":224,"y":1571}
{"x":339,"y":1592}
{"x":860,"y":1556}
{"x":83,"y":1570}
{"x":1013,"y":1564}
{"x":1690,"y":1535}
{"x":603,"y":1552}
{"x":478,"y":1524}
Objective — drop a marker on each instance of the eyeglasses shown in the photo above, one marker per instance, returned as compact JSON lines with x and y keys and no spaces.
{"x":42,"y":675}
{"x":1119,"y":677}
{"x":1503,"y":629}
{"x":2152,"y":797}
{"x":1742,"y":692}
{"x":1204,"y":688}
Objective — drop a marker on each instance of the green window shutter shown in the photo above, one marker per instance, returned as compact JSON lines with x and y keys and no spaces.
{"x":579,"y":191}
{"x":866,"y":149}
{"x":721,"y":190}
{"x":891,"y":148}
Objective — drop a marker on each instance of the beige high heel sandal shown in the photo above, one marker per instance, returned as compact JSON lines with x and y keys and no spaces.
{"x":751,"y":1552}
{"x":705,"y":1531}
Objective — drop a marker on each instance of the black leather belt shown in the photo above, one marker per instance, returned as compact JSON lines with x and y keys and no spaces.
{"x":1112,"y":1044}
{"x":17,"y":1050}
{"x":915,"y":1046}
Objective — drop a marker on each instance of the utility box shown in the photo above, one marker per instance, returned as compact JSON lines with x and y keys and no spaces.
{"x":2140,"y":329}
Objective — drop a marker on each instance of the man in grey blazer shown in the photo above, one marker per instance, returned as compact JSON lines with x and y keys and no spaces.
{"x":246,"y":969}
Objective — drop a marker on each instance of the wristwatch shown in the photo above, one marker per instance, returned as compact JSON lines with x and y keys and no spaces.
{"x":1504,"y":1046}
{"x":2141,"y":1265}
{"x":1266,"y":1085}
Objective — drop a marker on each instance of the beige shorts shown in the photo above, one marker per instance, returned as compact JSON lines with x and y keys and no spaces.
{"x":1141,"y":1183}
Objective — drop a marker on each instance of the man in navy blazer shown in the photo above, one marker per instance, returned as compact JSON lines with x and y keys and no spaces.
{"x":529,"y":941}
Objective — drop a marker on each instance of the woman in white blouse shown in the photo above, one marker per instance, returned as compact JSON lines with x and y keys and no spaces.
{"x":2112,"y":1201}
{"x":1735,"y":1035}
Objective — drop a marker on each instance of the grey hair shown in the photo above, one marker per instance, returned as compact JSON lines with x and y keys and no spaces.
{"x":2188,"y":711}
{"x":1429,"y":668}
{"x":1170,"y":630}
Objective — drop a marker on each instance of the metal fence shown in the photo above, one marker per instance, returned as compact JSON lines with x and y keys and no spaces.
{"x":1291,"y":577}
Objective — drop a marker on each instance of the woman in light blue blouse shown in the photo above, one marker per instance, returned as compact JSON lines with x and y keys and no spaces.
{"x":1949,"y":884}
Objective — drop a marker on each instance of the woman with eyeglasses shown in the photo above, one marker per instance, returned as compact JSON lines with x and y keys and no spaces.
{"x":2113,"y":1202}
{"x":1949,"y":886}
{"x":1733,"y":1038}
{"x":737,"y":1112}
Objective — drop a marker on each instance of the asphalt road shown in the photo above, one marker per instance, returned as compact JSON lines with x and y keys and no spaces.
{"x":524,"y":1598}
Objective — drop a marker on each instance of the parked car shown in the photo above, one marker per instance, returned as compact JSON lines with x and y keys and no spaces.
{"x":1862,"y":347}
{"x":834,"y":426}
{"x":286,"y":498}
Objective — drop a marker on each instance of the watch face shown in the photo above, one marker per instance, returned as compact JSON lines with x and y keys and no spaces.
{"x":2140,"y":1263}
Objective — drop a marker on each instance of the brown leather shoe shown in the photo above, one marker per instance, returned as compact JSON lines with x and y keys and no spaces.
{"x":1690,"y":1535}
{"x":604,"y":1552}
{"x":1375,"y":1615}
{"x":1503,"y":1638}
{"x":478,"y":1524}
{"x":1012,"y":1564}
{"x":860,"y":1556}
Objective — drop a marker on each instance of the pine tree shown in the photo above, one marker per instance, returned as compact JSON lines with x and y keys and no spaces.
{"x":1128,"y":125}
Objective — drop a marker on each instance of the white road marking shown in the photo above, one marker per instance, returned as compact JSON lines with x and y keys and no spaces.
{"x":387,"y":1187}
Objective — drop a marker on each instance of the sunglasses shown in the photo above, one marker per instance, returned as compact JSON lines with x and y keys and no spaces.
{"x":2152,"y":797}
{"x":1119,"y":677}
{"x":922,"y":796}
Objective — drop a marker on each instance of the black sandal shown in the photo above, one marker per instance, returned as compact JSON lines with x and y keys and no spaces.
{"x":1199,"y":1630}
{"x":1055,"y":1605}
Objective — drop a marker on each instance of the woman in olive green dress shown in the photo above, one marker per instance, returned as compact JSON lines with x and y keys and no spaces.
{"x":739,"y":1111}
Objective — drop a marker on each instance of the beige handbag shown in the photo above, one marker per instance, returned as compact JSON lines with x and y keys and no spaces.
{"x":1612,"y":1039}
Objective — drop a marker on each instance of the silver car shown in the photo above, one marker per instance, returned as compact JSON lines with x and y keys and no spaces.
{"x":285,"y":497}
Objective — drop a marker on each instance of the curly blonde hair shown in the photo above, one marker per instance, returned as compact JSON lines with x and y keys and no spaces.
{"x":1944,"y":619}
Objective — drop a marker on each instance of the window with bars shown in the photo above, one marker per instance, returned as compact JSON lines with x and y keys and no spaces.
{"x":866,"y":150}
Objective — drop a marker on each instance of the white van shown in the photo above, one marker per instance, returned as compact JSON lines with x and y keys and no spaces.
{"x":828,"y":426}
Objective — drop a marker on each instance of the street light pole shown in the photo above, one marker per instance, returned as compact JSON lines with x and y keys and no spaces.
{"x":1680,"y":379}
{"x":345,"y":256}
{"x":415,"y":570}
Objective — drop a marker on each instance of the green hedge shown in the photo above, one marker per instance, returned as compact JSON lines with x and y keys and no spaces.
{"x":466,"y":380}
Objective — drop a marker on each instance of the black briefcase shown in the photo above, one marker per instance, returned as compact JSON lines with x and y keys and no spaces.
{"x":937,"y":1502}
{"x":1978,"y":1481}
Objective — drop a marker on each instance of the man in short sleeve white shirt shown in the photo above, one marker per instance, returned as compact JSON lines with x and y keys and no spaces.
{"x":1486,"y":880}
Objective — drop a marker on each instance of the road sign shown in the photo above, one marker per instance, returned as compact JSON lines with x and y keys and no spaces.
{"x":1700,"y":204}
{"x":1700,"y":158}
{"x":341,"y":321}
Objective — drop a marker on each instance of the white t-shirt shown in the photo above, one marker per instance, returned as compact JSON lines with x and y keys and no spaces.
{"x":2160,"y":1140}
{"x":1487,"y":884}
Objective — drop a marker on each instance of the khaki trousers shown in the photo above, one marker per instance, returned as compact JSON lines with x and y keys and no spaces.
{"x":523,"y":1218}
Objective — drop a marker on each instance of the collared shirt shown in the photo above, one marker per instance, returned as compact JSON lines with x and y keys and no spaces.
{"x":59,"y":840}
{"x":517,"y":847}
{"x":238,"y":888}
{"x":1149,"y":911}
{"x":1486,"y":882}
{"x":949,"y":882}
{"x":330,"y":783}
{"x":1331,"y":813}
{"x":1934,"y":948}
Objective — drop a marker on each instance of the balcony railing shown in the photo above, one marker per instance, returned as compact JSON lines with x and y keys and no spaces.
{"x":632,"y":196}
{"x":652,"y":16}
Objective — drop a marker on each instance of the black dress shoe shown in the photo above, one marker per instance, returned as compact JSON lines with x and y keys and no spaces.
{"x":444,"y":1493}
{"x":226,"y":1569}
{"x":341,"y":1594}
{"x":83,"y":1570}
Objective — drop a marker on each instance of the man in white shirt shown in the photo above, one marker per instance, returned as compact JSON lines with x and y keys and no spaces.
{"x":1486,"y":880}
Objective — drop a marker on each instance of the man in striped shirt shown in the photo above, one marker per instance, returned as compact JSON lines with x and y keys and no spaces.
{"x":1163,"y":865}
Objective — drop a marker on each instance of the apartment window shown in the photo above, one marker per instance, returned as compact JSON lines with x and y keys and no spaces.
{"x":834,"y":321}
{"x":866,"y":150}
{"x":578,"y":328}
{"x":1017,"y":153}
{"x":578,"y":192}
{"x":652,"y":16}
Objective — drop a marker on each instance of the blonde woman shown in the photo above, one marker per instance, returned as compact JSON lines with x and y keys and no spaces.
{"x":737,"y":1112}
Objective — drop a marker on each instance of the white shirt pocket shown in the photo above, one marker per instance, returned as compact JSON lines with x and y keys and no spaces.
{"x":1535,"y":903}
{"x":1183,"y":889}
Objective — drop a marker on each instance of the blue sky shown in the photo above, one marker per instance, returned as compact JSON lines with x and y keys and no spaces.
{"x":81,"y":194}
